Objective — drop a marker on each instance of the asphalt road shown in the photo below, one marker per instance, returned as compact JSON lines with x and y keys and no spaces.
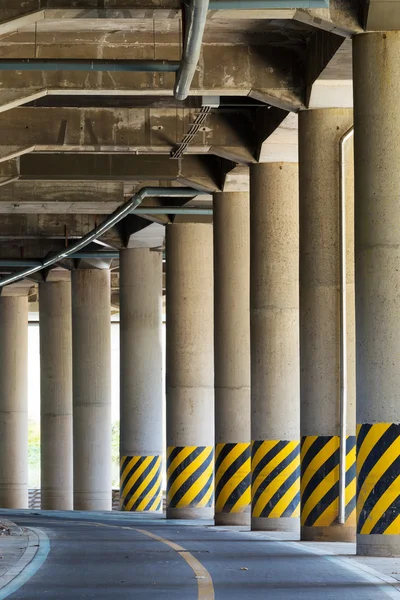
{"x":119,"y":558}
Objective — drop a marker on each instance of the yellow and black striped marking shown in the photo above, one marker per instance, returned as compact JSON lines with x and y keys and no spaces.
{"x":140,"y":483}
{"x":378,"y":478}
{"x":320,"y":458}
{"x":275,"y":484}
{"x":232,"y":477}
{"x":190,"y":476}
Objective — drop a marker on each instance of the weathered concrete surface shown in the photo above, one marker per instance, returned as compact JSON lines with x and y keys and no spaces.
{"x":14,"y":401}
{"x":91,"y":360}
{"x":141,"y":384}
{"x":56,"y":395}
{"x":319,"y":136}
{"x":377,"y":180}
{"x":274,"y":311}
{"x":226,"y":70}
{"x":201,"y":172}
{"x":226,"y":132}
{"x":189,"y":346}
{"x":232,"y":328}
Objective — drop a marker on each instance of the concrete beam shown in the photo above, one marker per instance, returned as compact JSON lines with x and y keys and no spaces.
{"x":259,"y":71}
{"x":27,"y":197}
{"x":55,"y":231}
{"x":228,"y":133}
{"x":200,"y":172}
{"x":334,"y":86}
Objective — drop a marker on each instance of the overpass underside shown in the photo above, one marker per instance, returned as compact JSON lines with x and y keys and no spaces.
{"x":261,"y":212}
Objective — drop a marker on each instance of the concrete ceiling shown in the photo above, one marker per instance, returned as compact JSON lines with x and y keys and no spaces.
{"x":75,"y":144}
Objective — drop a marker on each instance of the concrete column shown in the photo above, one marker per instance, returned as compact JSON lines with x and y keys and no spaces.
{"x":141,"y":389}
{"x":377,"y":232}
{"x":13,"y":401}
{"x":190,"y":371}
{"x":232,"y":358}
{"x":91,"y":363}
{"x":56,"y":395}
{"x":320,"y":132}
{"x":274,"y":331}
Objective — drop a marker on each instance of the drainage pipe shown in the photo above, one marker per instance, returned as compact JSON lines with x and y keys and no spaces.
{"x":343,"y":329}
{"x":133,"y":66}
{"x":265,"y":4}
{"x":197,"y":15}
{"x":113,"y":219}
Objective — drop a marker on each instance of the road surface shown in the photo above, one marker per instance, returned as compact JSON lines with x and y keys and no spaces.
{"x":112,"y":557}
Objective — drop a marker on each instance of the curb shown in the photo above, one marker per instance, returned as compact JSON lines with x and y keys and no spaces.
{"x":29,"y":563}
{"x":12,"y":527}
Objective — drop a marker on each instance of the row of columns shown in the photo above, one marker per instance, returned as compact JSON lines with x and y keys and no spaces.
{"x":285,"y":458}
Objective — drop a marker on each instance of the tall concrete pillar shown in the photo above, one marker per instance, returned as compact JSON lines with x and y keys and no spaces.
{"x":274,"y":323}
{"x":141,"y":387}
{"x":232,"y":358}
{"x":377,"y":232}
{"x":13,"y":401}
{"x":56,"y":395}
{"x":320,"y":132}
{"x":91,"y":363}
{"x":190,"y":371}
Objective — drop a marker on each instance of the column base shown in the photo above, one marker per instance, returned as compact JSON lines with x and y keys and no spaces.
{"x":227,"y":519}
{"x":331,"y":533}
{"x":378,"y":545}
{"x":190,"y":513}
{"x":53,"y":502}
{"x":14,"y":496}
{"x":85,"y":501}
{"x":291,"y":524}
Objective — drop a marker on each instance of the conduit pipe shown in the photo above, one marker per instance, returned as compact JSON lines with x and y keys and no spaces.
{"x":343,"y":327}
{"x":113,"y":219}
{"x":197,"y":15}
{"x":130,"y":66}
{"x":265,"y":4}
{"x":196,"y":21}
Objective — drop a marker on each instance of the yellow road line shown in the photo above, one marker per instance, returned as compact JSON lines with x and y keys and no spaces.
{"x":205,"y":587}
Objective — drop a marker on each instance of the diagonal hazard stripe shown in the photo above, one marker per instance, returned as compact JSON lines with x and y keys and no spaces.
{"x":234,"y":469}
{"x":381,"y":507}
{"x":290,"y":499}
{"x":142,"y":490}
{"x":245,"y":499}
{"x":138,"y":477}
{"x":319,"y":465}
{"x":320,"y":481}
{"x":136,"y":489}
{"x":266,"y":450}
{"x":378,"y":439}
{"x":189,"y":483}
{"x":270,"y":466}
{"x":179,"y":479}
{"x":269,"y":489}
{"x":376,"y":482}
{"x":130,"y":463}
{"x":179,"y":460}
{"x":227,"y":495}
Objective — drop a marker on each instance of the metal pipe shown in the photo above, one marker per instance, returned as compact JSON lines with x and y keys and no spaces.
{"x":265,"y":4}
{"x":90,"y":237}
{"x":343,"y":328}
{"x":171,"y":210}
{"x":132,"y":66}
{"x":197,"y":15}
